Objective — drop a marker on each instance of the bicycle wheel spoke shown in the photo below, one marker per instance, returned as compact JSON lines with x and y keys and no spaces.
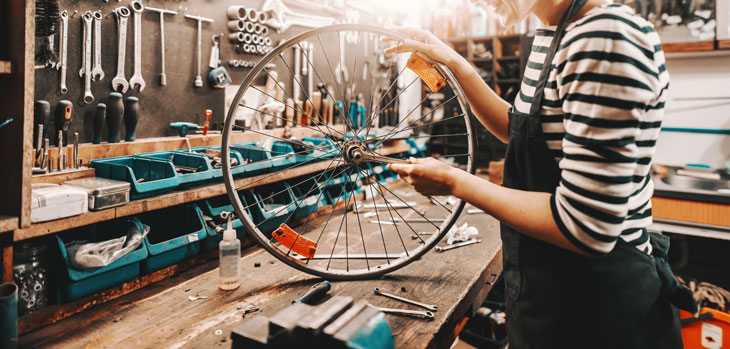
{"x":339,"y":230}
{"x":438,"y":202}
{"x":372,"y":93}
{"x":377,"y":216}
{"x":359,"y":224}
{"x":392,"y":219}
{"x":393,"y":132}
{"x":342,"y":93}
{"x":411,"y":207}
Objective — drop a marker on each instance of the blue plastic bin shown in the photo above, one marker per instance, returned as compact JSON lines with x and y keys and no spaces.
{"x":325,"y":146}
{"x":75,"y":284}
{"x":213,"y":207}
{"x":147,"y":176}
{"x":418,"y":148}
{"x":211,"y":151}
{"x":257,"y":158}
{"x":175,"y":235}
{"x":270,"y":205}
{"x":192,"y":160}
{"x":333,"y":187}
{"x":308,"y":194}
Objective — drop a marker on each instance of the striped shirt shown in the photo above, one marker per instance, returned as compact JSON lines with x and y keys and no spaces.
{"x":601,"y":115}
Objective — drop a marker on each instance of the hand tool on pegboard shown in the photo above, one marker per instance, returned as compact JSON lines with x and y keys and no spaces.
{"x":218,"y":76}
{"x":62,"y":118}
{"x":162,"y":12}
{"x":99,"y":119}
{"x":198,"y":78}
{"x":136,"y":79}
{"x":131,"y":116}
{"x":115,"y":112}
{"x":119,"y":82}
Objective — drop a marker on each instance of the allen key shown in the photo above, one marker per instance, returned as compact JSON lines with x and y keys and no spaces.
{"x":430,"y":307}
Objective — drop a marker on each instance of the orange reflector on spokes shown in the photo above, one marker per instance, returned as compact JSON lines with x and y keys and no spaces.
{"x":292,"y":240}
{"x":426,"y":72}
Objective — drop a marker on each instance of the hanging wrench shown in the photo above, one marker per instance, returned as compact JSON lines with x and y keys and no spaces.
{"x":418,"y":314}
{"x":86,"y":68}
{"x":120,"y":81}
{"x":430,"y":307}
{"x":136,"y":79}
{"x":97,"y":73}
{"x":64,"y":50}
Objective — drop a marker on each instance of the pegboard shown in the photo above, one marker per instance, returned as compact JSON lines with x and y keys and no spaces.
{"x":159,"y":105}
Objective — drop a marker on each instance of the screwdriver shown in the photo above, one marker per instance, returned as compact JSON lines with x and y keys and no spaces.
{"x":62,"y":118}
{"x":115,"y":111}
{"x":206,"y":121}
{"x":41,"y":116}
{"x":99,"y":119}
{"x":315,"y":294}
{"x":131,"y":115}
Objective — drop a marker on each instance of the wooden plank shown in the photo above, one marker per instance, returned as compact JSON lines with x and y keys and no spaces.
{"x":691,"y":211}
{"x":178,"y":197}
{"x":50,"y":227}
{"x":6,"y":245}
{"x":723,"y":44}
{"x":451,"y":280}
{"x":16,"y":97}
{"x":8,"y":223}
{"x":108,"y":150}
{"x":60,"y":177}
{"x":5,"y":67}
{"x":689,"y":46}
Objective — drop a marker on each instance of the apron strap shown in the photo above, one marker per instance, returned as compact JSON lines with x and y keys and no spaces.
{"x":572,"y":10}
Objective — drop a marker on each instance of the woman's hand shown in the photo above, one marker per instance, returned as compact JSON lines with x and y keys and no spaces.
{"x":425,"y":42}
{"x":429,"y":176}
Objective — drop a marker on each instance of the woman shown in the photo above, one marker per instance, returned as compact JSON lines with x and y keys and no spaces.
{"x":580,"y":268}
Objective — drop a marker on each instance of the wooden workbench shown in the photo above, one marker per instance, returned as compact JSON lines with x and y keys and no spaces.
{"x":161,"y":315}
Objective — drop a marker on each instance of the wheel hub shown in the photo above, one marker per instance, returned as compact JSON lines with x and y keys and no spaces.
{"x":353,"y":152}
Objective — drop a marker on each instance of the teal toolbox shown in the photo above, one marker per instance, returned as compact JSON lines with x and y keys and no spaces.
{"x":147,"y":176}
{"x":75,"y":284}
{"x":175,"y":235}
{"x":192,"y":160}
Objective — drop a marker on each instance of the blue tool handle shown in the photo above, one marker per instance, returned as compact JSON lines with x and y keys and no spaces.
{"x":316,"y":293}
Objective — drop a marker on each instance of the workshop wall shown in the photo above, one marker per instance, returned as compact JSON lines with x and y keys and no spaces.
{"x":698,"y":98}
{"x":159,"y":105}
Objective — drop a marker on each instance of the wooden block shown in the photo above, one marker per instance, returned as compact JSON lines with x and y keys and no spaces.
{"x":317,"y":106}
{"x":67,"y":175}
{"x":290,"y":112}
{"x":298,"y":112}
{"x":691,"y":211}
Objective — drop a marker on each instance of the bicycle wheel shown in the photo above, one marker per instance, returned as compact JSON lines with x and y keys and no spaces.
{"x":349,"y":219}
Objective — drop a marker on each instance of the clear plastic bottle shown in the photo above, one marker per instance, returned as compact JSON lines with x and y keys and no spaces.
{"x":229,"y":260}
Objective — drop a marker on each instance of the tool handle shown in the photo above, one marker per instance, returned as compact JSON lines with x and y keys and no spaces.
{"x":115,"y":111}
{"x":41,"y":116}
{"x":62,"y":116}
{"x":316,"y":293}
{"x":131,"y":115}
{"x":99,"y":119}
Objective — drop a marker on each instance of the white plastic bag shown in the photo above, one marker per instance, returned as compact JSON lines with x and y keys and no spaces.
{"x":459,"y":234}
{"x":100,"y":254}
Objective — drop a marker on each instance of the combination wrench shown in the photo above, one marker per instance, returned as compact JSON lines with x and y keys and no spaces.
{"x":97,"y":73}
{"x":430,"y":307}
{"x":136,"y":79}
{"x":418,"y":314}
{"x":120,"y":81}
{"x":85,"y":71}
{"x":64,"y":50}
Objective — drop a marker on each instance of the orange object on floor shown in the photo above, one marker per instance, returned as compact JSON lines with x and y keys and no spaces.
{"x":711,"y":332}
{"x":430,"y":76}
{"x":297,"y":243}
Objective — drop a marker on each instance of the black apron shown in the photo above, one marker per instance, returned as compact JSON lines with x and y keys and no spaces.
{"x":556,"y":298}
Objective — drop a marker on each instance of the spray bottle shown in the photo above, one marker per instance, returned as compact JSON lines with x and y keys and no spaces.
{"x":229,"y":259}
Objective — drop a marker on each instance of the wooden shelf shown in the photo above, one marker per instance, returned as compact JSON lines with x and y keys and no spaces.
{"x":5,"y":67}
{"x":509,"y":58}
{"x":482,"y":60}
{"x":723,"y":44}
{"x":690,"y":46}
{"x":8,"y":223}
{"x":178,"y":197}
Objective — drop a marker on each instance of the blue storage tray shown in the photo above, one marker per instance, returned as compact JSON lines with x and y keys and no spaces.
{"x":194,"y":160}
{"x":158,"y":176}
{"x":282,"y":156}
{"x":334,"y":185}
{"x":308,"y":194}
{"x":75,"y":284}
{"x":326,"y":146}
{"x":260,"y":159}
{"x":218,"y":172}
{"x":213,"y":207}
{"x":269,"y":211}
{"x":416,"y":151}
{"x":175,"y":234}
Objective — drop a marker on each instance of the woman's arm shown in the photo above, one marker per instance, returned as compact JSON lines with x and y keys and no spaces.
{"x":525,"y":211}
{"x":489,"y":108}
